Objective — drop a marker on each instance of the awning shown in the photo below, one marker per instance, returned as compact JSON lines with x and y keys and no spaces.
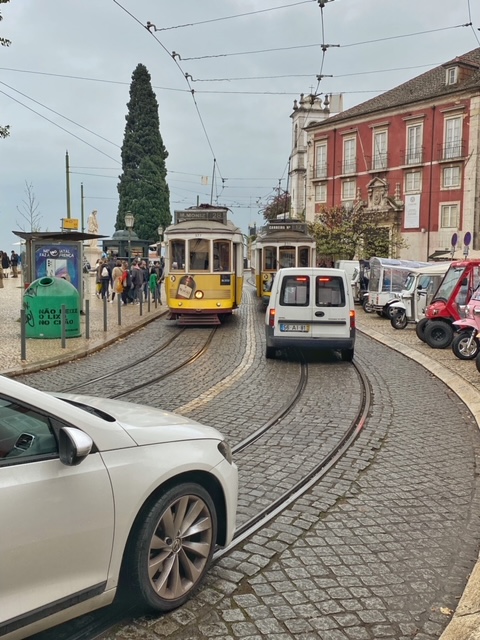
{"x":440,"y":255}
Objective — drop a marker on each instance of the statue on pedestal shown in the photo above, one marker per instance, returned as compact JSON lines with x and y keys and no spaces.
{"x":93,"y":226}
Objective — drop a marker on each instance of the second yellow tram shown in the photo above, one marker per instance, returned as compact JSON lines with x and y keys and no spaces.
{"x":203,"y":265}
{"x":283,"y":243}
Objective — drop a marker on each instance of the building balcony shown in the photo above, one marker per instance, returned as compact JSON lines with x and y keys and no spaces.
{"x":321,"y":172}
{"x":379,"y":162}
{"x":452,"y":150}
{"x":348,"y":167}
{"x":415,"y":155}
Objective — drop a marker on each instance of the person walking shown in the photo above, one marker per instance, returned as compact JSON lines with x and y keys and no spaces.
{"x":1,"y":271}
{"x":5,"y":264}
{"x":137,"y":282}
{"x":117,"y":286}
{"x":14,"y":264}
{"x":153,"y":284}
{"x":126,"y":282}
{"x":105,"y":278}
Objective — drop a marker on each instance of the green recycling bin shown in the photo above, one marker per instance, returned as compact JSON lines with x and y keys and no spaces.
{"x":43,"y":302}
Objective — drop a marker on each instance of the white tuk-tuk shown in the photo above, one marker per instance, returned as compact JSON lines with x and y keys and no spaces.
{"x":387,"y":278}
{"x":420,"y":287}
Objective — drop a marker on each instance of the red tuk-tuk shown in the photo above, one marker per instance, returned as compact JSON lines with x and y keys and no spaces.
{"x":448,"y":303}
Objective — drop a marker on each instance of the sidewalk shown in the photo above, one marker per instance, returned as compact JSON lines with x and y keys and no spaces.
{"x":42,"y":353}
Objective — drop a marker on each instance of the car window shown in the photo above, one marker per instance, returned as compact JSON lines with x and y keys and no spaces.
{"x":329,"y":291}
{"x":295,"y":291}
{"x":24,"y":433}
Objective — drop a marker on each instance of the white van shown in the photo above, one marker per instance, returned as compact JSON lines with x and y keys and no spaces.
{"x":351,"y":267}
{"x":311,"y":308}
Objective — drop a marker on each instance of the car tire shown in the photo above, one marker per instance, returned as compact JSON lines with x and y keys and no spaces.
{"x":438,"y":334}
{"x":270,"y":353}
{"x":461,"y":349}
{"x":420,"y":329}
{"x":367,"y":307}
{"x":399,"y":319}
{"x":166,"y":565}
{"x":347,"y":355}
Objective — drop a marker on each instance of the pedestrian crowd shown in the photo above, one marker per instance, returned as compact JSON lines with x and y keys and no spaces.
{"x":8,"y":264}
{"x":133,"y":284}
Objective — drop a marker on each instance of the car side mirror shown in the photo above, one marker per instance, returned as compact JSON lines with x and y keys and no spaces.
{"x":74,"y":446}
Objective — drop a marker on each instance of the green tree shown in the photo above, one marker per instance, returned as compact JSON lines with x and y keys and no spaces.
{"x":277,"y":206}
{"x":4,"y":131}
{"x":143,"y":189}
{"x":351,"y":233}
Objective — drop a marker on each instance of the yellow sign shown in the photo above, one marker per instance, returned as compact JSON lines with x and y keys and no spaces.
{"x":70,"y":223}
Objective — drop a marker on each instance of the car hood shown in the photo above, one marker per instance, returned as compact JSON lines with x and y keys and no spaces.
{"x":144,"y":424}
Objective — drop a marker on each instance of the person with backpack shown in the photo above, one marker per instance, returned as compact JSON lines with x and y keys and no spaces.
{"x":105,"y":278}
{"x":126,"y":282}
{"x":137,"y":282}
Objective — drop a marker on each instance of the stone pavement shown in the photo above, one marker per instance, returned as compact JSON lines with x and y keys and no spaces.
{"x":461,"y":376}
{"x":42,"y":353}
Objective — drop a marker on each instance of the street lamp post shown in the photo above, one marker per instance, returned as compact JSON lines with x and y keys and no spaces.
{"x":159,"y":246}
{"x":129,"y":222}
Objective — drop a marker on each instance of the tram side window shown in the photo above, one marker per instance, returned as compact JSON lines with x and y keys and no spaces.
{"x":177,"y":255}
{"x":303,"y":253}
{"x":287,"y":257}
{"x":329,"y":292}
{"x":221,"y":255}
{"x":295,"y":291}
{"x":199,"y":255}
{"x":270,"y":258}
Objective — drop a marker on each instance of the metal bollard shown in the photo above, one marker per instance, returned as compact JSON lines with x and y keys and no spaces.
{"x":141,"y":302}
{"x":64,"y":326}
{"x":105,"y":313}
{"x":23,"y":335}
{"x":119,"y":309}
{"x":87,"y":319}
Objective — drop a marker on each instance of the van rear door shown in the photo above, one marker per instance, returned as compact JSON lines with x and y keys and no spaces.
{"x":294,"y":308}
{"x":330,"y":307}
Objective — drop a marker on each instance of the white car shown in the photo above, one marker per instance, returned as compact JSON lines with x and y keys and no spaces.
{"x":90,"y":487}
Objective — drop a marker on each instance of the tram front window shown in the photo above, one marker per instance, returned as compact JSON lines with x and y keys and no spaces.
{"x":270,"y":258}
{"x":177,"y":255}
{"x":199,"y":255}
{"x":221,"y":255}
{"x":287,"y":257}
{"x":303,"y":253}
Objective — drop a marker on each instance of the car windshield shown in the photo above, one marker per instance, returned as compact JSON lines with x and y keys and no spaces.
{"x":448,"y":283}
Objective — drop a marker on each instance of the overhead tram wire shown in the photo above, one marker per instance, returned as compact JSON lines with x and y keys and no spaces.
{"x":470,"y":19}
{"x":173,"y":56}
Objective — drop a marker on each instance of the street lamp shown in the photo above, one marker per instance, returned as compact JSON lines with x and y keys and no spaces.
{"x":159,"y":245}
{"x":129,"y":222}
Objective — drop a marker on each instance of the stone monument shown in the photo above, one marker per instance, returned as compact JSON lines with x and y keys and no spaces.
{"x":91,"y":251}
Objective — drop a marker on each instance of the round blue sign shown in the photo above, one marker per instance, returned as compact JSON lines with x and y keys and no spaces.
{"x":467,"y":238}
{"x":454,"y":240}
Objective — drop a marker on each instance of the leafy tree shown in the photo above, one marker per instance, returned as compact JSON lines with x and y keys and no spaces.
{"x":278,"y":205}
{"x":143,"y":189}
{"x":4,"y":131}
{"x":351,"y":233}
{"x":29,"y":211}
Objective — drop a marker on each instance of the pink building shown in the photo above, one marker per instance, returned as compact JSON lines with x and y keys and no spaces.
{"x":411,"y":155}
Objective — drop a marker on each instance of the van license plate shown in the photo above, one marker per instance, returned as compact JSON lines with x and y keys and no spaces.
{"x":303,"y":328}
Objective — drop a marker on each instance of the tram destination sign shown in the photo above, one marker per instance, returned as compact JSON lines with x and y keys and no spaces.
{"x":214,"y":215}
{"x":287,"y":226}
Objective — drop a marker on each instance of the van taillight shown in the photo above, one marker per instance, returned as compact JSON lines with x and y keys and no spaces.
{"x":352,"y":319}
{"x":271,"y":318}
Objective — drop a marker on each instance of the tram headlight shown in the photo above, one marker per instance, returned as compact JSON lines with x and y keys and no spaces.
{"x":226,"y":451}
{"x":199,"y":294}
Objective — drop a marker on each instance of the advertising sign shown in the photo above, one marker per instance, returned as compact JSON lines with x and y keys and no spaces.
{"x":58,"y":260}
{"x":412,"y":212}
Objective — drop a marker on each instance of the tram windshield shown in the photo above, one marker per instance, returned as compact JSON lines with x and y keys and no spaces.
{"x":221,"y":255}
{"x":199,"y":255}
{"x":287,"y":257}
{"x":303,"y":257}
{"x":177,"y":255}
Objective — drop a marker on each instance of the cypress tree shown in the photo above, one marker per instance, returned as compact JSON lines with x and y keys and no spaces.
{"x":143,"y":189}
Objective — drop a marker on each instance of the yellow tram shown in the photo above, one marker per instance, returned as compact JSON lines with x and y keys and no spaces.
{"x":203,"y":265}
{"x":281,"y":243}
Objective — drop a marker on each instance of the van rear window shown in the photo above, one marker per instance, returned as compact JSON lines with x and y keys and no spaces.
{"x":329,"y":291}
{"x":295,"y":291}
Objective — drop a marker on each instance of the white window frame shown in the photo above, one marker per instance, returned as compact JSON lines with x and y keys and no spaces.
{"x":349,"y":155}
{"x":321,"y":160}
{"x":380,"y":149}
{"x":414,"y":143}
{"x":452,"y":75}
{"x":321,"y":192}
{"x":349,"y":189}
{"x":450,"y":210}
{"x":448,"y":179}
{"x":413,"y":182}
{"x":453,"y":137}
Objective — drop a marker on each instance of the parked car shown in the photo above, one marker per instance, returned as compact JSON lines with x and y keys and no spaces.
{"x":312,"y":308}
{"x":95,"y":490}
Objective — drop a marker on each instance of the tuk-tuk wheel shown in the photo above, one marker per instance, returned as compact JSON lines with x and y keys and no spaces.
{"x":367,"y":307}
{"x":399,"y":319}
{"x":477,"y":362}
{"x":420,"y":329}
{"x":438,"y":334}
{"x":463,"y":347}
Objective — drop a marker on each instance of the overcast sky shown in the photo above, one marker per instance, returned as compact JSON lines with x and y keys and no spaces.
{"x":64,"y":84}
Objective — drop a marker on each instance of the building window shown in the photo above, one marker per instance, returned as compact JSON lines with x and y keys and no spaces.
{"x":321,"y":160}
{"x":453,"y":138}
{"x":451,"y":177}
{"x":321,"y":192}
{"x":348,"y":190}
{"x":414,"y":144}
{"x":449,"y":216}
{"x":350,"y":155}
{"x":452,"y":75}
{"x":413,"y":182}
{"x":380,"y":150}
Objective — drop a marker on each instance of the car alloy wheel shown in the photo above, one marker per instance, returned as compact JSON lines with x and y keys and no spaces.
{"x":465,"y":347}
{"x":174,"y":546}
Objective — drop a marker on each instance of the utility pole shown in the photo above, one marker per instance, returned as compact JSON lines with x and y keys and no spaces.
{"x":82,"y":209}
{"x":67,"y":171}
